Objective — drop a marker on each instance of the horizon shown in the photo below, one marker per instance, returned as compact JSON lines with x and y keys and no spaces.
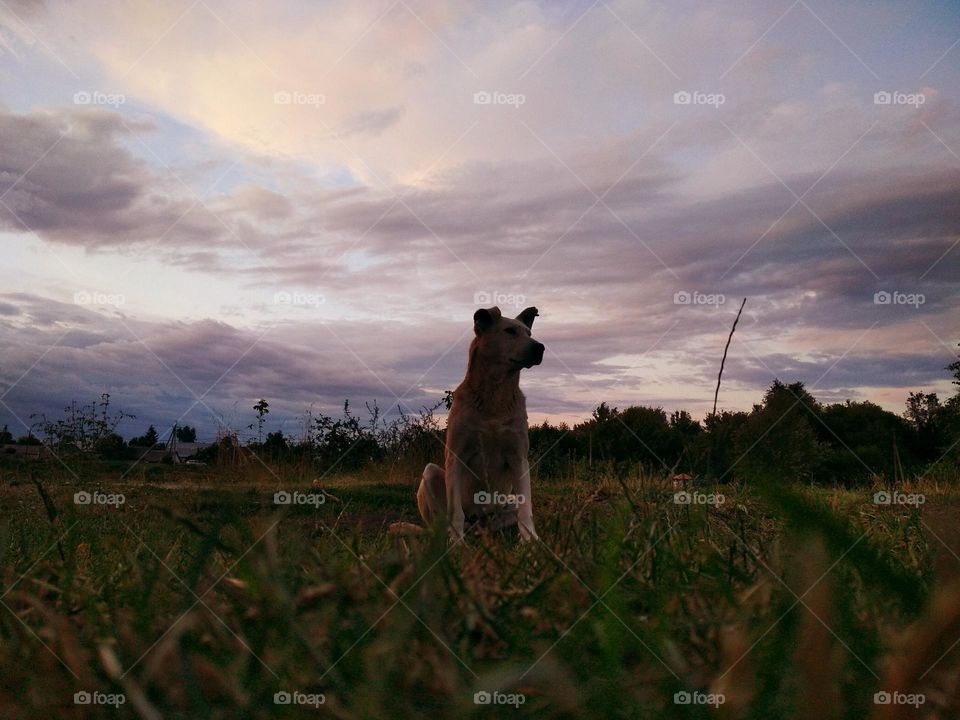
{"x":202,"y":205}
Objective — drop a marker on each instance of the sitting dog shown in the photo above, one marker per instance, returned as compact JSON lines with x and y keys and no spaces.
{"x":486,"y":473}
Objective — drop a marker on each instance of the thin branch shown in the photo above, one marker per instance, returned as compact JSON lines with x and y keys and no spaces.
{"x":723,"y":362}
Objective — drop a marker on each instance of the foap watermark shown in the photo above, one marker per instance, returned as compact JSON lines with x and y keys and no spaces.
{"x":696,"y":97}
{"x":486,"y":298}
{"x":84,"y":697}
{"x":495,"y":97}
{"x":495,"y":497}
{"x":294,"y":97}
{"x":299,"y":698}
{"x":98,"y":498}
{"x":298,"y":498}
{"x":495,"y":697}
{"x":898,"y":698}
{"x":95,"y":297}
{"x":299,"y":299}
{"x":95,"y":97}
{"x":698,"y":698}
{"x":685,"y":297}
{"x":685,"y":497}
{"x":884,"y":97}
{"x":895,"y":297}
{"x":884,"y":497}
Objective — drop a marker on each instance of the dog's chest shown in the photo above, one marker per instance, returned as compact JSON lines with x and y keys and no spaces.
{"x":502,"y":448}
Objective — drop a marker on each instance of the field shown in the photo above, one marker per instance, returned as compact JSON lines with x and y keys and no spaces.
{"x":200,"y":597}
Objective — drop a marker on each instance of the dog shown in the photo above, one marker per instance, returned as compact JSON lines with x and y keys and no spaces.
{"x":486,"y":473}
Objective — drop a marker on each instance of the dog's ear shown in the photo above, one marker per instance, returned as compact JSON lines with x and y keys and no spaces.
{"x":527,"y":316}
{"x":484,"y":318}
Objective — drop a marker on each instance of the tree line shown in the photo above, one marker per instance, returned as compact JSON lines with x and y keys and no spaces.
{"x":788,"y":434}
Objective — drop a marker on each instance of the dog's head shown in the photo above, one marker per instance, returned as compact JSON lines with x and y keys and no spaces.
{"x":506,"y":341}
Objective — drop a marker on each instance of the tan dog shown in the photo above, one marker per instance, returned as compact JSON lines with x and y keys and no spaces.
{"x":486,"y":477}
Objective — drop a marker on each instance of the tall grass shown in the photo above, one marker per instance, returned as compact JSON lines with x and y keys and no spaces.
{"x":200,"y":598}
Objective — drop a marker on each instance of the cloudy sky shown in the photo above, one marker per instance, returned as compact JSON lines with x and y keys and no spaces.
{"x":204,"y":202}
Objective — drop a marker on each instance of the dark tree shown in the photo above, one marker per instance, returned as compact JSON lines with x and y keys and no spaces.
{"x":263,"y":409}
{"x":778,"y":441}
{"x":149,"y":439}
{"x":187,"y":434}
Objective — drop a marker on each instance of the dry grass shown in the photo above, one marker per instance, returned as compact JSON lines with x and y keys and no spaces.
{"x":200,"y":598}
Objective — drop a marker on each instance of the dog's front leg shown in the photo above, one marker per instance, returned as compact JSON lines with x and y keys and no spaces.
{"x":525,"y":510}
{"x":455,"y":516}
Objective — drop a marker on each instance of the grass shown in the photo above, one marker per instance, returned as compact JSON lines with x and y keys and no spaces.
{"x":200,"y":598}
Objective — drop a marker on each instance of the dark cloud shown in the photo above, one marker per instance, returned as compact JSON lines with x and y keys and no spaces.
{"x":157,"y":370}
{"x":69,"y":177}
{"x":603,"y":274}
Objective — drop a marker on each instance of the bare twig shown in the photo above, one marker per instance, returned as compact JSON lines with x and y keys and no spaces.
{"x":723,"y":362}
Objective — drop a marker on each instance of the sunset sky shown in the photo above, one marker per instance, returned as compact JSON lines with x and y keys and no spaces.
{"x":203,"y":203}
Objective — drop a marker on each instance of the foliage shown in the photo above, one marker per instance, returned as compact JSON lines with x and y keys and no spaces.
{"x":149,"y":439}
{"x":186,"y":434}
{"x":83,"y":428}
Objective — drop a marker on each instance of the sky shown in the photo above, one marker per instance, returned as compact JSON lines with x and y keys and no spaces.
{"x":204,"y":203}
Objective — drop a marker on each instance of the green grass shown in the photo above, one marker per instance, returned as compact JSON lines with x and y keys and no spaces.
{"x":200,"y":598}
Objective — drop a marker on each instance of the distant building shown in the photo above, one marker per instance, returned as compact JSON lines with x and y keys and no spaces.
{"x":155,"y":455}
{"x":183,"y":451}
{"x":175,"y":451}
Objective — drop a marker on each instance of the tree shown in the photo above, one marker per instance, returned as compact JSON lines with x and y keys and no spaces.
{"x":82,"y":427}
{"x":713,"y":452}
{"x":112,"y":447}
{"x":922,"y":409}
{"x":263,"y":409}
{"x":684,"y":431}
{"x":187,"y":434}
{"x":624,"y":438}
{"x":860,"y":439}
{"x":347,"y":442}
{"x":778,"y":440}
{"x":275,"y":444}
{"x":5,"y":436}
{"x":149,"y":439}
{"x":954,"y":367}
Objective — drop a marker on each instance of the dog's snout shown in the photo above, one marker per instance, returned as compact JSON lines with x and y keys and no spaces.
{"x":537,"y":352}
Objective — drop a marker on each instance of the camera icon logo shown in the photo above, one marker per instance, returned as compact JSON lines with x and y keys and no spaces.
{"x":681,"y":297}
{"x":682,"y":698}
{"x":681,"y":498}
{"x":282,"y":498}
{"x":882,"y":298}
{"x":282,"y":698}
{"x":82,"y":698}
{"x":82,"y":498}
{"x":882,"y":497}
{"x":482,"y":97}
{"x":482,"y":298}
{"x":81,"y":97}
{"x":882,"y":98}
{"x":482,"y":498}
{"x":282,"y":98}
{"x":482,"y":697}
{"x":882,"y":698}
{"x":682,"y":97}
